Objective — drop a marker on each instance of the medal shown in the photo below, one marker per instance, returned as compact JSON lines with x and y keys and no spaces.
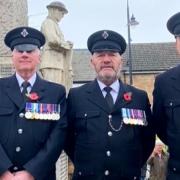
{"x":28,"y":115}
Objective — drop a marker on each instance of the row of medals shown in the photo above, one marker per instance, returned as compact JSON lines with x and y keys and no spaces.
{"x":134,"y":116}
{"x":42,"y":111}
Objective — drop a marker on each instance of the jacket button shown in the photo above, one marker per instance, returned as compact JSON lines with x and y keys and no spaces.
{"x":20,"y":131}
{"x":109,"y":133}
{"x":174,"y":169}
{"x":18,"y":149}
{"x":15,"y":168}
{"x":170,"y":103}
{"x":108,"y":153}
{"x":80,"y":173}
{"x":106,"y":172}
{"x":21,"y":115}
{"x":135,"y":177}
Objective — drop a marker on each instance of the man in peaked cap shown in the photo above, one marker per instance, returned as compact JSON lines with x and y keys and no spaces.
{"x":32,"y":113}
{"x":166,"y":105}
{"x":110,"y":134}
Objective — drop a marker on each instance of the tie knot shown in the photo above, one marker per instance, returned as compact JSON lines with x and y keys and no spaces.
{"x":108,"y":89}
{"x":25,"y":84}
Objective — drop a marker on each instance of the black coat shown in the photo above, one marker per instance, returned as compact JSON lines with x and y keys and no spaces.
{"x":40,"y":141}
{"x":94,"y":147}
{"x":166,"y":110}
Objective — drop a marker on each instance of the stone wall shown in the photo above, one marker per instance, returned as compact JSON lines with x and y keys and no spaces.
{"x":13,"y":13}
{"x":143,"y":81}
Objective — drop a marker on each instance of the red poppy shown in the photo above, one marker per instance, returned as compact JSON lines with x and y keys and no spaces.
{"x":127,"y":96}
{"x":33,"y":96}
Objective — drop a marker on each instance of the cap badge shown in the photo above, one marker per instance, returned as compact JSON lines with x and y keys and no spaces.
{"x":105,"y":34}
{"x":24,"y":33}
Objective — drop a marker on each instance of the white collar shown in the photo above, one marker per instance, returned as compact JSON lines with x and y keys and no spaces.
{"x":21,"y":80}
{"x":115,"y":85}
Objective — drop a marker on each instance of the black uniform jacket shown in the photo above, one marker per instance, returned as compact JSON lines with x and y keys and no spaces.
{"x":166,"y":110}
{"x":33,"y":145}
{"x":98,"y":151}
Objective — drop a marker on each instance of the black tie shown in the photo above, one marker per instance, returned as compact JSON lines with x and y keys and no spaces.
{"x":25,"y":85}
{"x":108,"y":97}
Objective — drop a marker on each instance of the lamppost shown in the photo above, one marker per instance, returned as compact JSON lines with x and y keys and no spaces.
{"x":130,"y":22}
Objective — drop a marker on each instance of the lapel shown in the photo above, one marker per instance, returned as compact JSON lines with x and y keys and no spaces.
{"x":96,"y":97}
{"x":175,"y":77}
{"x":13,"y":91}
{"x":120,"y":102}
{"x":39,"y":87}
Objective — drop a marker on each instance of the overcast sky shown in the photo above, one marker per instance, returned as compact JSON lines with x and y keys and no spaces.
{"x":88,"y":16}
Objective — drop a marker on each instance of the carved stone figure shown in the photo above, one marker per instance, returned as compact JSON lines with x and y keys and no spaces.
{"x":56,"y":56}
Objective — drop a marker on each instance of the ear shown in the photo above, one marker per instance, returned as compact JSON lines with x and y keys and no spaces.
{"x":92,"y":63}
{"x":178,"y":44}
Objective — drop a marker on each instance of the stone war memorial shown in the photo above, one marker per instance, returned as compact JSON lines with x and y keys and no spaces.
{"x":56,"y":58}
{"x":57,"y":53}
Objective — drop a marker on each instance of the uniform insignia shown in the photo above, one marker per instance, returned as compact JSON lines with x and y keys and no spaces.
{"x":105,"y":34}
{"x":24,"y":33}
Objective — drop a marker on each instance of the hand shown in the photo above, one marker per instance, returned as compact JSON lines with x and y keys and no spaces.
{"x":7,"y":176}
{"x":23,"y":175}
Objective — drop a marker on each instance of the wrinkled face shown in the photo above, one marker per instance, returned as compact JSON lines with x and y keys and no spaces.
{"x":107,"y":65}
{"x":178,"y":44}
{"x":26,"y":61}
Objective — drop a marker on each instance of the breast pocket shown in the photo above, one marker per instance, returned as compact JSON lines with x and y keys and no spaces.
{"x":172,"y":110}
{"x":86,"y":123}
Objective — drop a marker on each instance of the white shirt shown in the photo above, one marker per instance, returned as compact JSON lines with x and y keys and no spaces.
{"x":115,"y":89}
{"x":31,"y":81}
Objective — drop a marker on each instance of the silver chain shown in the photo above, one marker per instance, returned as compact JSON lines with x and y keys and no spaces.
{"x":112,"y":127}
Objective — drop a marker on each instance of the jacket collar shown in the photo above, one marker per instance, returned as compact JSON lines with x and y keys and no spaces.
{"x":14,"y":93}
{"x":96,"y":96}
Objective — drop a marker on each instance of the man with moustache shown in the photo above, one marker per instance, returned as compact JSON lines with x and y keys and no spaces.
{"x":110,"y":134}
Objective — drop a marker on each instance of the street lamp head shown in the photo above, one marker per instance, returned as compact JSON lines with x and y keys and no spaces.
{"x":133,"y":21}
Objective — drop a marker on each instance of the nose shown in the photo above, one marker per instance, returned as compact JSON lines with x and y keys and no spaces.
{"x":107,"y":59}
